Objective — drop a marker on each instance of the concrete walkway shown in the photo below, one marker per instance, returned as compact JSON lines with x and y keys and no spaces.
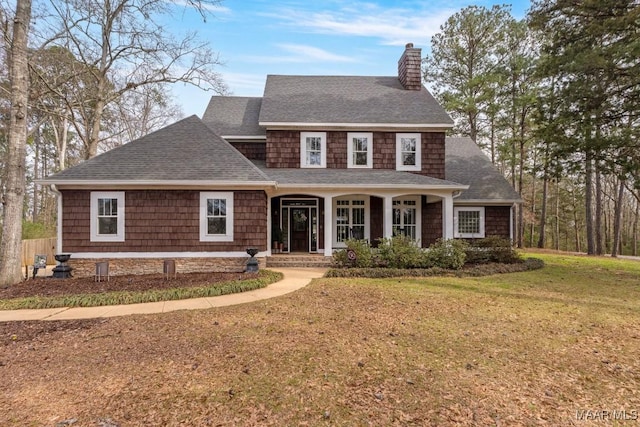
{"x":294,"y":279}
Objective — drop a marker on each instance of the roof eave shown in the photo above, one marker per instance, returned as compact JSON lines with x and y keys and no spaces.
{"x":376,"y":186}
{"x":487,"y":202}
{"x":369,"y":126}
{"x":154,"y":184}
{"x":243,"y":137}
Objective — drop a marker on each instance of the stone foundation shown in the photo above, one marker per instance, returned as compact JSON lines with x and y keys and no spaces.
{"x":119,"y":267}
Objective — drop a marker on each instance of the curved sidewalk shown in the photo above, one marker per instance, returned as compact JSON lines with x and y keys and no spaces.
{"x":294,"y":279}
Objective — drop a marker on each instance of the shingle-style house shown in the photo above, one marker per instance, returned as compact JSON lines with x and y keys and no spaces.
{"x":315,"y":161}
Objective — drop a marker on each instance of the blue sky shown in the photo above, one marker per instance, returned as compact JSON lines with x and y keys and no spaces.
{"x":259,"y":37}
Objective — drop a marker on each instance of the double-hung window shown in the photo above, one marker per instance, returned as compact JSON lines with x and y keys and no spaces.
{"x":216,"y":216}
{"x":107,"y":216}
{"x":313,"y":149}
{"x":360,"y":150}
{"x":408,"y":151}
{"x":468,"y":222}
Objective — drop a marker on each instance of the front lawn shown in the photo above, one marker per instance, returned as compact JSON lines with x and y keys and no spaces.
{"x":556,"y":346}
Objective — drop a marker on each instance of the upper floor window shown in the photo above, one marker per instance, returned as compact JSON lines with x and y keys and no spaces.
{"x":216,"y":217}
{"x":313,"y":149}
{"x":408,"y":151}
{"x":107,"y":216}
{"x":468,"y":222}
{"x":360,"y":150}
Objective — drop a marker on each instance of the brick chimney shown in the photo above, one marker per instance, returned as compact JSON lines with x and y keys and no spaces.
{"x":409,"y":71}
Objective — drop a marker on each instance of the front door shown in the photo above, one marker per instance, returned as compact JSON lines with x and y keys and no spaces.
{"x":299,"y":230}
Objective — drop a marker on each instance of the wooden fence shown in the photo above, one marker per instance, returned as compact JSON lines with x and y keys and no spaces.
{"x":33,"y":247}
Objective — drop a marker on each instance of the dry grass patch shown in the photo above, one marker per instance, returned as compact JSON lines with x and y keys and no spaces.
{"x":518,"y":349}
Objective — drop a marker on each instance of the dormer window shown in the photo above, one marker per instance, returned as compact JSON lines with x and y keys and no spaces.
{"x":408,"y":153}
{"x":360,"y":150}
{"x":313,"y":150}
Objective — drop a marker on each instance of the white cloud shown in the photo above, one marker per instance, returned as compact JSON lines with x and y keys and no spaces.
{"x":393,"y":26}
{"x":298,"y":53}
{"x":309,"y":53}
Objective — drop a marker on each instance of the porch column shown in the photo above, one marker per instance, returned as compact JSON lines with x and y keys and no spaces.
{"x":328,"y":226}
{"x":388,"y":217}
{"x":447,"y":217}
{"x":269,"y":226}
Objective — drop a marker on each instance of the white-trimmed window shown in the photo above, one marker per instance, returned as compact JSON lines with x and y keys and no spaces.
{"x":313,"y":149}
{"x":107,"y":216}
{"x":360,"y":150}
{"x":408,"y":151}
{"x":468,"y":222}
{"x":351,"y":219}
{"x":216,"y":216}
{"x":406,"y":217}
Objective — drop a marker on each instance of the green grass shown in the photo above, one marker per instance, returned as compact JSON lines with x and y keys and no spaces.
{"x":264,"y":278}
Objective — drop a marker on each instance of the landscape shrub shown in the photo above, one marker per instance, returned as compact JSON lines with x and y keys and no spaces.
{"x":448,"y":254}
{"x":467,"y":271}
{"x":363,"y":254}
{"x":492,"y":249}
{"x":399,"y":252}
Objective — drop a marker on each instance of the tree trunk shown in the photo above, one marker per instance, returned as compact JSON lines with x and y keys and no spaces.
{"x":36,"y":163}
{"x":543,"y":209}
{"x":557,"y":228}
{"x":617,"y":220}
{"x":588,"y":201}
{"x":635,"y":230}
{"x":543,"y":213}
{"x":11,"y":244}
{"x":597,"y":226}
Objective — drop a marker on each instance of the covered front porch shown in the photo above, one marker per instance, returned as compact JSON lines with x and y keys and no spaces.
{"x":322,"y":221}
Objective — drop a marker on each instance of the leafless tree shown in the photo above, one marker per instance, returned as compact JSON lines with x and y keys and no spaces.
{"x":13,"y":199}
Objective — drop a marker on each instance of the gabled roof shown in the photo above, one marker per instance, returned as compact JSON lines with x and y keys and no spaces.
{"x":467,"y":164}
{"x":348,"y":100}
{"x":354,"y":178}
{"x":186,"y":151}
{"x":234,"y":116}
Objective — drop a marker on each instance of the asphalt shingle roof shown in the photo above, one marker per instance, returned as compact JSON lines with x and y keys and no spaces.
{"x":234,"y":115}
{"x":347,"y":99}
{"x":467,"y":164}
{"x":184,"y":151}
{"x":351,"y":177}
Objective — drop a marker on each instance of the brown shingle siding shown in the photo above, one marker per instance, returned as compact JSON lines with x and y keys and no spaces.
{"x":164,"y":221}
{"x":337,"y":150}
{"x":283,"y":149}
{"x":497,"y":221}
{"x":384,"y":150}
{"x":433,"y":146}
{"x":431,"y":222}
{"x":251,"y":150}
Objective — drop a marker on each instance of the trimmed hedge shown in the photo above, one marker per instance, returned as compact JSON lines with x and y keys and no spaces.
{"x":470,"y":271}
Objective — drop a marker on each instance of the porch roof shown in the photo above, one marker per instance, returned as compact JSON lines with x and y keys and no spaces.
{"x":343,"y":178}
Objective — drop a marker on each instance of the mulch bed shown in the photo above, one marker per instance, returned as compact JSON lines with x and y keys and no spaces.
{"x":49,"y":287}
